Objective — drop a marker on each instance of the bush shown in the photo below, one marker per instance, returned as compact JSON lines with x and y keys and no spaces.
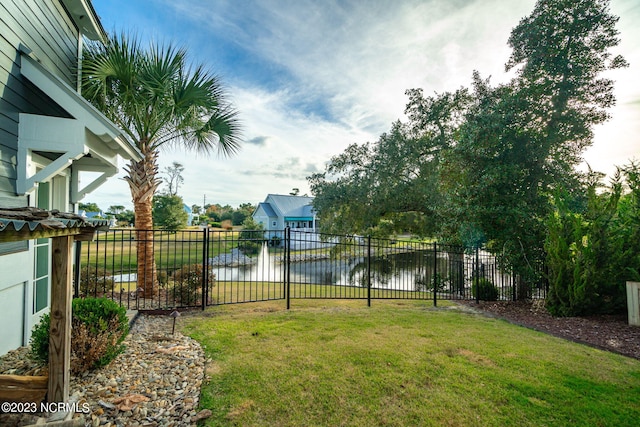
{"x":95,"y":281}
{"x":99,"y":326}
{"x":275,"y":241}
{"x":39,"y":341}
{"x":187,"y":283}
{"x":593,"y":251}
{"x":484,"y":290}
{"x":423,"y":283}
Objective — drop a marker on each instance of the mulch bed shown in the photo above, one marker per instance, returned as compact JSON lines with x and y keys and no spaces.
{"x":607,"y":332}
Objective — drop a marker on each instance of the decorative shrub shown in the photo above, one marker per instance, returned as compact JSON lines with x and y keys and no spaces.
{"x":162,"y":277}
{"x":187,"y":283}
{"x":275,"y":241}
{"x":99,"y":326}
{"x":424,"y":283}
{"x":484,"y":290}
{"x":39,"y":341}
{"x":95,"y":281}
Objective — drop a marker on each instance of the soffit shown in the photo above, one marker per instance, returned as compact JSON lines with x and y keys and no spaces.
{"x":88,"y":141}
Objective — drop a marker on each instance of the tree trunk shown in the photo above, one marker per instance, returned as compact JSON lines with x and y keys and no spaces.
{"x":143,"y":184}
{"x":147,"y":274}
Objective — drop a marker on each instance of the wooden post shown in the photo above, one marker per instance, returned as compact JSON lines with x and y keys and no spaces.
{"x":60,"y":331}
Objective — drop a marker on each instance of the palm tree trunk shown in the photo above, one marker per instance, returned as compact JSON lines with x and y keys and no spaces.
{"x":143,"y":184}
{"x":144,"y":249}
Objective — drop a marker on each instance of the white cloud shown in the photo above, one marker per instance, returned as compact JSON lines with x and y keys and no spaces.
{"x":322,"y":75}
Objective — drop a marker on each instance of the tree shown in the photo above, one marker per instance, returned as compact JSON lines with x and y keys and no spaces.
{"x":391,"y":185}
{"x":494,"y":182}
{"x":174,"y":178}
{"x":169,"y":213}
{"x":479,"y":167}
{"x":560,"y":51}
{"x":521,"y":141}
{"x":251,"y":237}
{"x":158,"y":100}
{"x":89,"y":207}
{"x":127,"y":217}
{"x":116,"y":209}
{"x":244,"y":211}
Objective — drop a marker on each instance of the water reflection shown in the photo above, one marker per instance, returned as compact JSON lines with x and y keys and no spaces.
{"x":407,"y":271}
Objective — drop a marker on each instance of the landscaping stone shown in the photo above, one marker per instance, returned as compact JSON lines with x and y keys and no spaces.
{"x":155,"y":382}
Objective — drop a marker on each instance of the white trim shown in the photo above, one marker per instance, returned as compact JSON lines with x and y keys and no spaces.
{"x":46,"y":134}
{"x":93,"y":120}
{"x":85,"y":18}
{"x":72,"y":140}
{"x":88,"y":165}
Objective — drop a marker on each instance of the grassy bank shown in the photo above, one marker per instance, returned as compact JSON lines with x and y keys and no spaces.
{"x":402,"y":363}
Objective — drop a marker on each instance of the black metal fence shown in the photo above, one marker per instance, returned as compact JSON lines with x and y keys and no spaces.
{"x":198,"y":268}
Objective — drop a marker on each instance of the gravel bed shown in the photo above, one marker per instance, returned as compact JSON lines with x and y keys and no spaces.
{"x":155,"y":382}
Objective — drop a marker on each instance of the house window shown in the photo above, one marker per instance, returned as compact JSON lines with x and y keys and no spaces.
{"x":41,"y":253}
{"x":273,"y":224}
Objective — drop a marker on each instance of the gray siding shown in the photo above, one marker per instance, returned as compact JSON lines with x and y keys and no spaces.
{"x":43,"y":26}
{"x":13,"y":202}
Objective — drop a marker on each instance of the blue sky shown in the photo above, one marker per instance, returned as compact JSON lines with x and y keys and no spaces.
{"x":311,"y":77}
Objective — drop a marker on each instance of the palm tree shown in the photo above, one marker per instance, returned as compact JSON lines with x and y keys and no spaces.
{"x":158,"y":100}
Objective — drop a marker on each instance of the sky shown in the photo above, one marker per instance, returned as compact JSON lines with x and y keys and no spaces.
{"x":311,"y":77}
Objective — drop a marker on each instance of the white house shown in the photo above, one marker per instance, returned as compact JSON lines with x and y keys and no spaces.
{"x":49,"y":136}
{"x":280,"y":211}
{"x":189,"y":212}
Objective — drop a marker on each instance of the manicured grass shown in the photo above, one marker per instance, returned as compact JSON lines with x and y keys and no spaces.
{"x":328,"y":363}
{"x":115,"y":250}
{"x":226,"y":292}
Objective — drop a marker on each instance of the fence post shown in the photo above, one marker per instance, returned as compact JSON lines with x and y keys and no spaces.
{"x":435,"y":274}
{"x":287,"y":258}
{"x":205,"y":267}
{"x":76,"y":273}
{"x":369,"y":271}
{"x":477,"y":275}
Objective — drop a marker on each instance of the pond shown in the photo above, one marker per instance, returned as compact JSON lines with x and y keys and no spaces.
{"x":406,"y":271}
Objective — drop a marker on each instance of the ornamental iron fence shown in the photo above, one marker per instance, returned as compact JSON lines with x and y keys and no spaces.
{"x":200,"y":268}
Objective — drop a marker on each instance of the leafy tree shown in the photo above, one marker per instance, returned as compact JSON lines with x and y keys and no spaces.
{"x":251,"y":239}
{"x":169,"y":213}
{"x":560,"y":52}
{"x":88,"y":207}
{"x":392,"y":185}
{"x":116,"y":209}
{"x":158,"y":100}
{"x":479,"y":166}
{"x":173,"y":178}
{"x":494,"y":180}
{"x":127,"y":217}
{"x":244,"y":211}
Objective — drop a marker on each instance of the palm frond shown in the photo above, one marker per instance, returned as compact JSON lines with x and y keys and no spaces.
{"x":157,"y":98}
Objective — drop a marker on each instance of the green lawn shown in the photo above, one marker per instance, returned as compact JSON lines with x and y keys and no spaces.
{"x":402,"y":363}
{"x":115,"y":250}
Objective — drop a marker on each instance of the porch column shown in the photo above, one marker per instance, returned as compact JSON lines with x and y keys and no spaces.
{"x":60,"y":329}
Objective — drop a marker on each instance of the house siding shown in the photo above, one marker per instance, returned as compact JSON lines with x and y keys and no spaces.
{"x":283,"y":210}
{"x":46,"y":29}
